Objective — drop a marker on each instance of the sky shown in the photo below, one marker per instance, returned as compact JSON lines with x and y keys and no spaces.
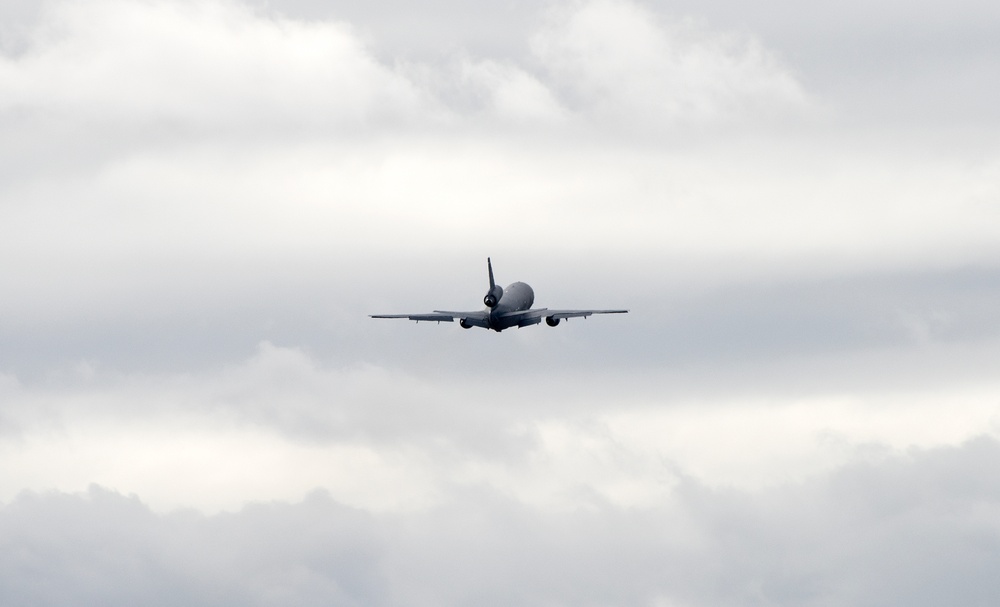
{"x":201,"y":202}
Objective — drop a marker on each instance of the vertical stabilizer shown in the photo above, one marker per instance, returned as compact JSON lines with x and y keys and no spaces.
{"x":495,"y":293}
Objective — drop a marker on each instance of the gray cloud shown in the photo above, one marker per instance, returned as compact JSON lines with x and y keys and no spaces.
{"x":779,"y":325}
{"x":917,"y":529}
{"x":926,"y":66}
{"x":201,"y":202}
{"x":104,"y":548}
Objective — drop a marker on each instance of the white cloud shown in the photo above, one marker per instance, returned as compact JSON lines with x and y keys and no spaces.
{"x":213,"y":65}
{"x":493,"y":89}
{"x":619,"y":60}
{"x":810,"y":342}
{"x":220,"y":65}
{"x":282,"y":422}
{"x":209,"y":130}
{"x":918,"y":529}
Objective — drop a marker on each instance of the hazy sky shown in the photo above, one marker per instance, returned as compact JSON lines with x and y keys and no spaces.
{"x":200,"y":203}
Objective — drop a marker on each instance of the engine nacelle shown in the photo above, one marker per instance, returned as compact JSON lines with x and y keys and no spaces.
{"x":493,"y":296}
{"x":552,"y":321}
{"x":464,"y":324}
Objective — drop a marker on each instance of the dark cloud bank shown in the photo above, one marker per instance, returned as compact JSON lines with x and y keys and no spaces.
{"x":915,"y":529}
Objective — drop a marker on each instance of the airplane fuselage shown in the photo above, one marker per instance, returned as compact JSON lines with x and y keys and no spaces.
{"x":517,"y":297}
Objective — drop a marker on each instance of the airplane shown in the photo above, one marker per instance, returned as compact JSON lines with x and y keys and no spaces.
{"x":505,"y":308}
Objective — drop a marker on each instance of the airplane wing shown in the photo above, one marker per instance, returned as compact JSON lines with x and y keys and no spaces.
{"x":480,"y":318}
{"x":560,"y":314}
{"x":477,"y":318}
{"x":524,"y":318}
{"x":580,"y":313}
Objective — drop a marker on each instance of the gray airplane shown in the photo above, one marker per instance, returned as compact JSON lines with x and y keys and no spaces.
{"x":505,"y":308}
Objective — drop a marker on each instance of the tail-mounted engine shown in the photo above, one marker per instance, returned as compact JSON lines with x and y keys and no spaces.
{"x":493,"y":296}
{"x":496,"y":291}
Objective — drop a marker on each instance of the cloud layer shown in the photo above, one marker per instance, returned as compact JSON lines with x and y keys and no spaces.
{"x":200,"y":202}
{"x":892,"y":531}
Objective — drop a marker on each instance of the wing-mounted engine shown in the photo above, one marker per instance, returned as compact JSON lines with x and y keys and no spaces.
{"x":465,"y":324}
{"x":552,"y":321}
{"x":496,"y":291}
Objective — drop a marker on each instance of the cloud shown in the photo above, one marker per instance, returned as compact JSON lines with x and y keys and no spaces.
{"x":489,"y":91}
{"x":201,"y":202}
{"x":102,"y":547}
{"x":391,"y":438}
{"x":210,"y":65}
{"x":618,"y":60}
{"x":918,"y":528}
{"x":216,"y":67}
{"x":155,"y":244}
{"x":189,"y":135}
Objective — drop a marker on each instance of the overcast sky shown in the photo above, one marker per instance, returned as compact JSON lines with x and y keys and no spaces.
{"x":201,"y":202}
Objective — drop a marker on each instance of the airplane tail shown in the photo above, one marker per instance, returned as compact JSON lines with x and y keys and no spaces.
{"x":495,"y":293}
